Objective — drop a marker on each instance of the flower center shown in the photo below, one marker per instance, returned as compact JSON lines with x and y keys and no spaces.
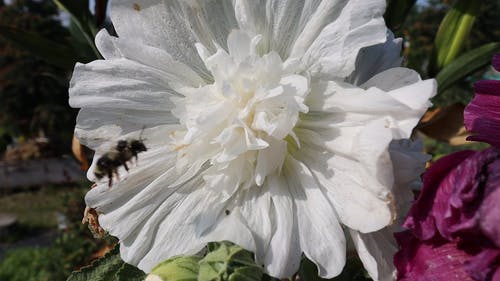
{"x":239,"y":122}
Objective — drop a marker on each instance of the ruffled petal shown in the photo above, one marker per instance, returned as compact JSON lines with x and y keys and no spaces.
{"x":174,"y":26}
{"x":376,"y":250}
{"x":283,"y":255}
{"x":317,"y":221}
{"x":376,"y":59}
{"x":352,"y":189}
{"x":495,"y":62}
{"x":333,"y":51}
{"x":120,"y":84}
{"x":280,"y":22}
{"x":255,"y":208}
{"x":408,"y":161}
{"x":431,"y":260}
{"x":176,"y":72}
{"x":420,"y":218}
{"x":482,"y":114}
{"x":151,"y":204}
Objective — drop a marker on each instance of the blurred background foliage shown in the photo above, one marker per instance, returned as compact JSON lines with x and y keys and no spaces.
{"x":41,"y":40}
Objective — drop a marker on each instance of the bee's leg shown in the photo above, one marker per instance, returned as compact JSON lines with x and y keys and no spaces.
{"x":117,"y":175}
{"x":110,"y":177}
{"x":125,"y":165}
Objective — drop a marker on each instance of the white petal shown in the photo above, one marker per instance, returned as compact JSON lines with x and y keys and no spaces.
{"x":238,"y":44}
{"x":255,"y":208}
{"x":286,"y":20}
{"x":230,"y":227}
{"x":96,"y":128}
{"x":392,"y":79}
{"x":409,"y":163}
{"x":283,"y":23}
{"x":375,"y":59}
{"x":270,"y":159}
{"x":161,"y":24}
{"x":282,"y":258}
{"x":120,"y":84}
{"x":210,"y":20}
{"x":355,"y":194}
{"x":321,"y":237}
{"x":176,"y":72}
{"x":376,"y":250}
{"x":350,"y":27}
{"x":401,"y":107}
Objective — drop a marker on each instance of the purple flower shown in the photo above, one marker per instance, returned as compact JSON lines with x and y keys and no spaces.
{"x":454,"y":226}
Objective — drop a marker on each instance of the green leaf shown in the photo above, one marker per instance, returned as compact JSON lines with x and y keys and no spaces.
{"x":466,"y":64}
{"x":82,"y":19}
{"x":48,"y":50}
{"x":397,"y":12}
{"x":353,"y":271}
{"x":129,"y":273}
{"x":452,"y":34}
{"x":227,"y":261}
{"x":181,"y":268}
{"x":108,"y":268}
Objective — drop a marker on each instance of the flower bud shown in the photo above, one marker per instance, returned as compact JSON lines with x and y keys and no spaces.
{"x":176,"y":268}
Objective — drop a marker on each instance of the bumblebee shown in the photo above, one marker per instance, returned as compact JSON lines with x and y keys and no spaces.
{"x":120,"y":155}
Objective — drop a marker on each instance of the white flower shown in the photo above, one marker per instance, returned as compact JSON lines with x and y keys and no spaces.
{"x":264,"y":124}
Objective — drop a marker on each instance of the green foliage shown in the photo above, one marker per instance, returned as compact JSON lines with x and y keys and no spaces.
{"x":353,"y":271}
{"x":178,"y":268}
{"x":72,"y":247}
{"x":452,"y":33}
{"x":30,"y":265}
{"x":229,"y":262}
{"x":33,"y":92}
{"x":223,"y":261}
{"x":465,"y":65}
{"x":83,"y":26}
{"x":397,"y":12}
{"x":108,"y":268}
{"x":52,"y":52}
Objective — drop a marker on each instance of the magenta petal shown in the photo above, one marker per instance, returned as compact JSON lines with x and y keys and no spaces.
{"x":434,"y":260}
{"x":487,"y":87}
{"x":496,"y":62}
{"x":490,"y":209}
{"x":483,"y":266}
{"x":482,"y":115}
{"x":433,"y":199}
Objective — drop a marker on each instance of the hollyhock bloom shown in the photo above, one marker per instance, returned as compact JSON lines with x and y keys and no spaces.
{"x":454,"y":226}
{"x":272,"y":124}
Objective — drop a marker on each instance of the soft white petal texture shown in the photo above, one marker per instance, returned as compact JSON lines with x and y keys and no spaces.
{"x":317,"y":221}
{"x":333,"y":52}
{"x":280,"y":22}
{"x":144,"y":211}
{"x":376,"y":250}
{"x":356,"y":174}
{"x":160,"y":24}
{"x":283,"y":254}
{"x":354,"y":193}
{"x":376,"y":59}
{"x":273,"y":124}
{"x":176,"y":72}
{"x":255,"y":208}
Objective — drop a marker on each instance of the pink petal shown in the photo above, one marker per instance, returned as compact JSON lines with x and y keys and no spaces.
{"x":489,"y":211}
{"x":482,"y":115}
{"x":496,"y":62}
{"x":434,"y":260}
{"x":483,"y":266}
{"x":433,"y":199}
